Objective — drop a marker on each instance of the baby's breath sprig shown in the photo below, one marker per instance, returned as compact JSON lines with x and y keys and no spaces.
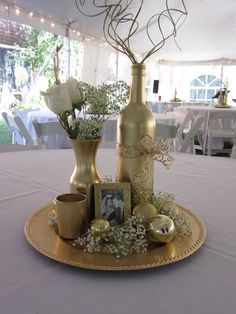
{"x":121,"y":240}
{"x":107,"y":179}
{"x":164,"y":203}
{"x":162,"y":200}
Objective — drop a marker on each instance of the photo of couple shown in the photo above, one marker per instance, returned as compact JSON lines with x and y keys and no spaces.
{"x":112,"y":206}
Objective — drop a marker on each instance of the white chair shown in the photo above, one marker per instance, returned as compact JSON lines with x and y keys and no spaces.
{"x":165,"y":130}
{"x":185,"y":126}
{"x":188,"y":130}
{"x":22,"y":113}
{"x":17,"y":137}
{"x":221,"y":125}
{"x":233,"y":153}
{"x":16,"y":147}
{"x":46,"y":130}
{"x":21,"y":126}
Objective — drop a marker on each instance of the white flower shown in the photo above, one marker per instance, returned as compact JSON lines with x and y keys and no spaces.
{"x":58,"y":99}
{"x":72,"y":86}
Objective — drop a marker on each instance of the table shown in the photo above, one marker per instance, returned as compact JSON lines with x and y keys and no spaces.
{"x":163,"y":106}
{"x":201,"y":109}
{"x":203,"y":283}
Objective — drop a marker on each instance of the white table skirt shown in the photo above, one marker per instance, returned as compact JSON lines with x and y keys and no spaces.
{"x":203,"y":283}
{"x":43,"y":115}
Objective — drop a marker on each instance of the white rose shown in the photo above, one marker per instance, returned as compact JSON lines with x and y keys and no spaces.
{"x":72,"y":86}
{"x":57,"y":99}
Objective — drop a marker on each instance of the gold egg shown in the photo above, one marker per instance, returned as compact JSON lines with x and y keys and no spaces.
{"x":145,"y":210}
{"x":99,"y":226}
{"x":161,"y":229}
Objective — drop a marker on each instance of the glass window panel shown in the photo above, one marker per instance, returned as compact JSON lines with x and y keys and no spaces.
{"x":215,"y":82}
{"x":210,"y":79}
{"x":193,"y":94}
{"x":196,"y":82}
{"x":202,"y":78}
{"x":201,"y":93}
{"x":210,"y":93}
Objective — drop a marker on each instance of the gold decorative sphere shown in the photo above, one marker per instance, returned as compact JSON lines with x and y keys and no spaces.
{"x":145,"y":210}
{"x":99,"y":226}
{"x":161,"y":229}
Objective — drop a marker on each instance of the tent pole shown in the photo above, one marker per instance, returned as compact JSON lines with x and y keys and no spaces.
{"x":222,"y":72}
{"x":68,"y":51}
{"x":117,"y":65}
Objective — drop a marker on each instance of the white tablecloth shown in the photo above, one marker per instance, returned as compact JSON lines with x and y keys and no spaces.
{"x":163,"y":106}
{"x":203,"y":283}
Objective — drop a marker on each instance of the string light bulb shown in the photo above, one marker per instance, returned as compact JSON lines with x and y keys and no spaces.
{"x":52,"y":24}
{"x":31,"y":14}
{"x":17,"y":11}
{"x":42,"y":20}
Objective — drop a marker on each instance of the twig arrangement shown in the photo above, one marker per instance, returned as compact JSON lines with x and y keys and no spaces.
{"x":118,"y":16}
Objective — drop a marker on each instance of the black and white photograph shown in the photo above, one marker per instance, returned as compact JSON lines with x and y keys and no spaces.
{"x":113,"y":206}
{"x":112,"y":202}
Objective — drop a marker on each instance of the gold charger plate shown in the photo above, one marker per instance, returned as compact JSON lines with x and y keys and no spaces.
{"x":45,"y":240}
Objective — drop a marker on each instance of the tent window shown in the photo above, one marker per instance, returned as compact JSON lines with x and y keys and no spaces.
{"x":204,"y":87}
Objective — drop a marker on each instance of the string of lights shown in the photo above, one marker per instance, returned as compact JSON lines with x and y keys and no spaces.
{"x":12,"y":11}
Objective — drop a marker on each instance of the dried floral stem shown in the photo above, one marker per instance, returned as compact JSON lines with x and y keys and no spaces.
{"x":117,"y":15}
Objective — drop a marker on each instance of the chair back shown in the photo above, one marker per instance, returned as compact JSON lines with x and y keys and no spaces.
{"x":185,"y":125}
{"x":21,"y":126}
{"x":17,"y":137}
{"x":226,"y":119}
{"x":184,"y":142}
{"x":233,"y":153}
{"x":23,"y":113}
{"x":48,"y":128}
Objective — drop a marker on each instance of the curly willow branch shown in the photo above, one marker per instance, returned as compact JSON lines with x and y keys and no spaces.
{"x":116,"y":15}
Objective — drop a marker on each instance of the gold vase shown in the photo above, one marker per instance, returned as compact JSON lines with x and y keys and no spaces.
{"x":85,"y":172}
{"x":134,"y":123}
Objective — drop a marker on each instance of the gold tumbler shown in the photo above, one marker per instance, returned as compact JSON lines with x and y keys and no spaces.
{"x":71,"y":215}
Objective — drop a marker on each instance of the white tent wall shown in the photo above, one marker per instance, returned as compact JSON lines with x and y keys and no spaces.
{"x":179,"y":75}
{"x":209,"y":32}
{"x":99,"y":64}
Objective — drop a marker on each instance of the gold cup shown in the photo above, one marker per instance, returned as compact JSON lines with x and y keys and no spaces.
{"x":71,"y":215}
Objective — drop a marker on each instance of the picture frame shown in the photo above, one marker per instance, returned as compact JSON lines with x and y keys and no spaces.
{"x":113,"y":201}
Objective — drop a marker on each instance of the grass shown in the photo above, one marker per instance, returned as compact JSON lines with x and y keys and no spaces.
{"x":5,"y":133}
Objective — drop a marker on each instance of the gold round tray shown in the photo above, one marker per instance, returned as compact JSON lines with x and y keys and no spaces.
{"x":45,"y":240}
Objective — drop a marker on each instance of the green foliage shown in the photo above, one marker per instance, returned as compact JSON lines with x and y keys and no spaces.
{"x":5,"y":133}
{"x":39,"y":45}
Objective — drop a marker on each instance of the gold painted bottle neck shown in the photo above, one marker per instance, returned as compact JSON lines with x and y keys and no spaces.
{"x":137,"y":91}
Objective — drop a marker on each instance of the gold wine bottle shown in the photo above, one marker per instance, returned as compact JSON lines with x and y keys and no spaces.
{"x":134,"y":123}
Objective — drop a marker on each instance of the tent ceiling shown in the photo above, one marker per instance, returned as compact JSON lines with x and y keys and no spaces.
{"x":209,"y":31}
